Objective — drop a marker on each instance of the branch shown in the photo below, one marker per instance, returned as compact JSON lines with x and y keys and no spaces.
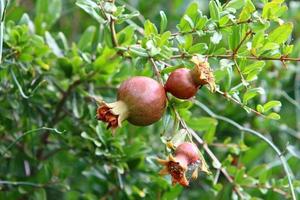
{"x":241,"y":43}
{"x":244,"y":82}
{"x":229,"y":56}
{"x":156,"y":71}
{"x":224,"y":94}
{"x":113,"y":32}
{"x":257,"y":134}
{"x":237,"y":23}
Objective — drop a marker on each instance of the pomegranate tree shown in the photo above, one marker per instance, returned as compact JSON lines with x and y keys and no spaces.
{"x":140,"y":100}
{"x":184,"y":83}
{"x":186,"y":156}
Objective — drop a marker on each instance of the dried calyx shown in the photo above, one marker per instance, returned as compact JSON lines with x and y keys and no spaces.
{"x":202,"y":73}
{"x":186,"y":158}
{"x":184,"y":83}
{"x":141,"y":100}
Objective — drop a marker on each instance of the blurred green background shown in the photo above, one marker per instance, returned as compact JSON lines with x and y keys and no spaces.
{"x":73,"y":165}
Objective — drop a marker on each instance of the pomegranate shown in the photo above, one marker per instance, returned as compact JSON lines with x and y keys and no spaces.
{"x":186,"y":156}
{"x":184,"y":83}
{"x":141,"y":100}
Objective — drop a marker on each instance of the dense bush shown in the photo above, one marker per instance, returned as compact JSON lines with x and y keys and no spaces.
{"x":61,"y":59}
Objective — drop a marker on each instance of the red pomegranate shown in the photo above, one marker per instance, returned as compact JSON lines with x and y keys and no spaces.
{"x":186,"y":154}
{"x":184,"y":83}
{"x":141,"y":100}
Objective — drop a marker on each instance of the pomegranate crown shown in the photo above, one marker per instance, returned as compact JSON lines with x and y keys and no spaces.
{"x":202,"y":73}
{"x":186,"y":159}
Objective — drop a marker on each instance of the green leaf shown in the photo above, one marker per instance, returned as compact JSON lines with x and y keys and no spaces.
{"x":281,"y":33}
{"x":152,"y":49}
{"x":189,"y":21}
{"x":199,"y":48}
{"x":258,"y":39}
{"x":139,"y":51}
{"x":269,"y":46}
{"x":150,"y":28}
{"x":251,"y":93}
{"x":163,"y":21}
{"x":259,"y":26}
{"x":288,"y":49}
{"x":188,"y":39}
{"x":214,"y":10}
{"x":256,"y":171}
{"x":248,"y":9}
{"x":271,"y":104}
{"x":235,"y":37}
{"x":260,"y":108}
{"x":206,"y":124}
{"x":256,"y":66}
{"x":192,"y":9}
{"x":40,"y":194}
{"x":87,"y":38}
{"x":181,"y":104}
{"x":173,"y":192}
{"x":170,"y":69}
{"x":274,"y":116}
{"x":126,"y":36}
{"x":86,"y":136}
{"x":53,"y":45}
{"x":201,"y":23}
{"x":249,"y":181}
{"x":164,"y":39}
{"x":273,"y":9}
{"x":91,"y":8}
{"x":49,"y":10}
{"x":236,"y":4}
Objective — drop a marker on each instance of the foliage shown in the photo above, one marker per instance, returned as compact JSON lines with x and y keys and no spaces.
{"x":59,"y":55}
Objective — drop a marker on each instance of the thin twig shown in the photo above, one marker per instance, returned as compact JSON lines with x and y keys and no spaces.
{"x":229,"y":56}
{"x":240,"y":73}
{"x":156,"y":70}
{"x":235,"y":51}
{"x":227,"y":96}
{"x":113,"y":32}
{"x":259,"y":135}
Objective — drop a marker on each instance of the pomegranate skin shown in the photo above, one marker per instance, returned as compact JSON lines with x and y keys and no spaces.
{"x":181,"y":84}
{"x":186,"y":155}
{"x":145,"y":99}
{"x":189,"y":151}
